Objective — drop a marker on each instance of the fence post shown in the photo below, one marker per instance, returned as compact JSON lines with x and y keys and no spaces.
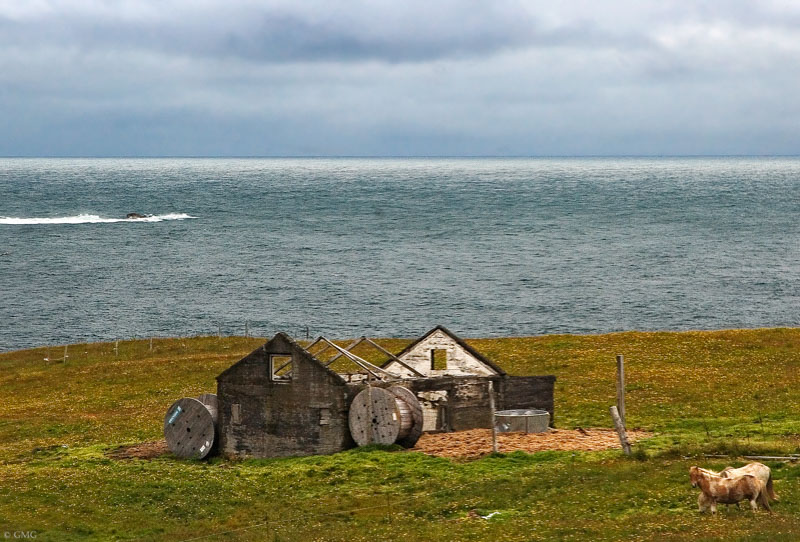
{"x":491,"y":409}
{"x":623,"y":436}
{"x":621,"y":388}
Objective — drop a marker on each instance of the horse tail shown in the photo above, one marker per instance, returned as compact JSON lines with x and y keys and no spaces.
{"x":763,"y":500}
{"x":770,"y":491}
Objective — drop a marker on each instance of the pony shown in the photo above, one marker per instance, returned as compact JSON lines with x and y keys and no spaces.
{"x":759,"y":470}
{"x":728,"y":490}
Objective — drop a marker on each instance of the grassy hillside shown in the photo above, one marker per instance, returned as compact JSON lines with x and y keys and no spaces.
{"x":701,"y":392}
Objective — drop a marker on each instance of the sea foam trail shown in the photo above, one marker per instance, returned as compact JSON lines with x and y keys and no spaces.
{"x":91,"y":219}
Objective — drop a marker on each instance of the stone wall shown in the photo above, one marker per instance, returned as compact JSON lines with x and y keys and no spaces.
{"x":263,"y":416}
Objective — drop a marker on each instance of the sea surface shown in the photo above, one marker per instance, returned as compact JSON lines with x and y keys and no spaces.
{"x":392,"y":247}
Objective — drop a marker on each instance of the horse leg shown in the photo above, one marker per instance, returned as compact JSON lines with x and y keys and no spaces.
{"x":753,"y":503}
{"x":713,"y":508}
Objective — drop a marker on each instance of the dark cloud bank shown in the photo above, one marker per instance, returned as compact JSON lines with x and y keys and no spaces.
{"x":380,"y":78}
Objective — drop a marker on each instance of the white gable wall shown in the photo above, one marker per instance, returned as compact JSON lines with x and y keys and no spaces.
{"x":459,"y":361}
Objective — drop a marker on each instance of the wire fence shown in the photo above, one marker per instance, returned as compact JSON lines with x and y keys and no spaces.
{"x":244,"y":329}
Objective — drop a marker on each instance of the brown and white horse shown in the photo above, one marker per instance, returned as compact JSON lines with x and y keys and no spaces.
{"x":759,"y":470}
{"x":717,"y":489}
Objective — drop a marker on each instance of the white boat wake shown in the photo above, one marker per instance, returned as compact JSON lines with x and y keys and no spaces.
{"x":91,"y":219}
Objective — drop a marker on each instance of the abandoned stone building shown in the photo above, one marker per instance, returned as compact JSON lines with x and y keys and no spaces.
{"x":283,"y":400}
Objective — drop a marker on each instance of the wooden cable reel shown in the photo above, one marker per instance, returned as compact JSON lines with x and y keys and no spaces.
{"x":190,"y":426}
{"x":386,"y":416}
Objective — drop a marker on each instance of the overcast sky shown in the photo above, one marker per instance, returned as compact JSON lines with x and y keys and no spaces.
{"x":294,"y":78}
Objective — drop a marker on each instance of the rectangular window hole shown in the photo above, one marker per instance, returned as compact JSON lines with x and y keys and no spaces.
{"x":281,"y":366}
{"x":438,"y":359}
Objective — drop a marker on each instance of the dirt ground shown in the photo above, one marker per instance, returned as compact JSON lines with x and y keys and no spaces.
{"x":143,"y":450}
{"x":470,"y":444}
{"x":478,"y":442}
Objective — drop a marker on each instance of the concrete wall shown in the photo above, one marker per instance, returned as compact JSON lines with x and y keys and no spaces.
{"x":459,"y":361}
{"x":302,"y":415}
{"x":528,"y":392}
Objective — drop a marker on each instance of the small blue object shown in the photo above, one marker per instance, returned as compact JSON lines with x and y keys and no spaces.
{"x":175,"y":415}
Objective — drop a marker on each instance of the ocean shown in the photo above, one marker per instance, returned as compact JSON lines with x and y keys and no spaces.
{"x":392,"y":247}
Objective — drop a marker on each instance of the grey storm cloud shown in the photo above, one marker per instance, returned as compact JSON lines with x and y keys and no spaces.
{"x":392,"y":32}
{"x":124,"y":77}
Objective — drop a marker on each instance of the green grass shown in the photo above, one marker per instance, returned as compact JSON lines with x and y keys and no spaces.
{"x":731,"y":392}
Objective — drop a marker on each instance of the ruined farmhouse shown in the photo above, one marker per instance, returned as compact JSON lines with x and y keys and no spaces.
{"x":282,"y":399}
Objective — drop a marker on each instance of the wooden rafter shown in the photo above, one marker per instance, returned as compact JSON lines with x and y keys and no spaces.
{"x":393,"y":357}
{"x":364,"y":364}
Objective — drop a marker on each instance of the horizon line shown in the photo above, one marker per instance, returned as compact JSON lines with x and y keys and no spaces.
{"x":394,"y":156}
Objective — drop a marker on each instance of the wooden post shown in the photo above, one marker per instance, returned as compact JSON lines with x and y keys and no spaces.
{"x":116,"y":349}
{"x":369,"y":408}
{"x":623,"y":436}
{"x":151,"y":344}
{"x":65,"y":353}
{"x":246,"y":328}
{"x":491,"y":409}
{"x":621,"y":388}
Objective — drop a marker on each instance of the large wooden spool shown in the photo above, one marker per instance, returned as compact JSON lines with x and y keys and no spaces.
{"x":386,"y":416}
{"x":190,"y":426}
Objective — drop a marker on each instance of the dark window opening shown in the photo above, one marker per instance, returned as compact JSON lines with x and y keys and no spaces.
{"x":438,"y":359}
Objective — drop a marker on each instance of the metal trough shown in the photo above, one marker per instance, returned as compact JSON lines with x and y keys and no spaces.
{"x":525,"y":421}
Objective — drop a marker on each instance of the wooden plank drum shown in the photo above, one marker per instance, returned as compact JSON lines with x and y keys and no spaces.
{"x":386,"y":416}
{"x":190,"y":426}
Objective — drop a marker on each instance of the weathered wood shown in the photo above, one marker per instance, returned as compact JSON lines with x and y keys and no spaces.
{"x":318,"y":353}
{"x":760,"y":457}
{"x":623,"y":435}
{"x":405,"y":418}
{"x":337,"y":356}
{"x":190,"y":426}
{"x":364,"y":364}
{"x":211,"y":403}
{"x":621,"y":388}
{"x":393,"y":357}
{"x":369,"y":429}
{"x":491,"y":410}
{"x":412,"y":417}
{"x":374,"y":417}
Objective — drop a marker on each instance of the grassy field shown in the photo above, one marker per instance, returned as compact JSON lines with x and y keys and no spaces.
{"x":726,"y":392}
